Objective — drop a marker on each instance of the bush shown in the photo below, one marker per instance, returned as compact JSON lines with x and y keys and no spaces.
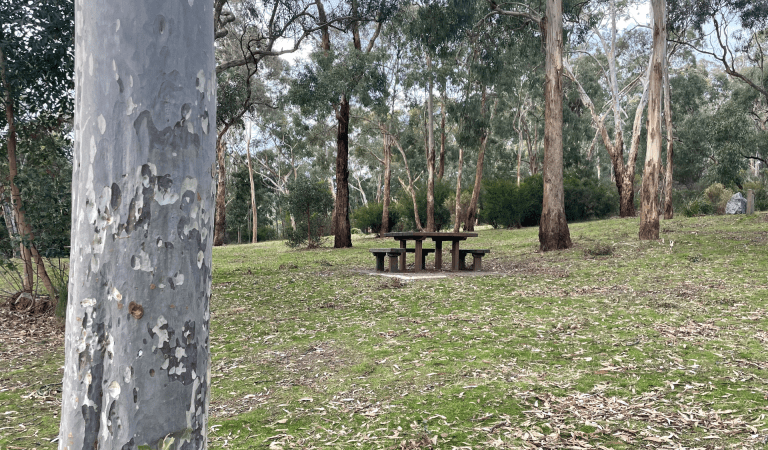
{"x":310,"y":203}
{"x":587,"y":198}
{"x":266,"y":234}
{"x":718,"y":197}
{"x":368,"y":218}
{"x":697,"y":207}
{"x":507,"y":205}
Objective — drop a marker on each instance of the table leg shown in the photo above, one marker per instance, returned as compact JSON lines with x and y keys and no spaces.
{"x":455,"y":256}
{"x":403,"y":243}
{"x":438,"y":255}
{"x":418,"y":259}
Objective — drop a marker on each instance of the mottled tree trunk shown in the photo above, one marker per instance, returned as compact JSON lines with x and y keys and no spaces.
{"x":553,"y":228}
{"x":137,"y":366}
{"x":458,"y":212}
{"x":649,"y":215}
{"x":342,"y":230}
{"x":669,"y":211}
{"x":441,"y":170}
{"x":430,"y":152}
{"x":254,"y":212}
{"x":387,"y":184}
{"x":220,"y":222}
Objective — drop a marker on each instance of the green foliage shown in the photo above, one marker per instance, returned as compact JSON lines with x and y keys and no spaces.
{"x":403,"y":207}
{"x":718,"y":197}
{"x":698,"y":207}
{"x":369,"y":217}
{"x":239,"y":214}
{"x":310,"y":203}
{"x":587,"y":198}
{"x":507,"y":205}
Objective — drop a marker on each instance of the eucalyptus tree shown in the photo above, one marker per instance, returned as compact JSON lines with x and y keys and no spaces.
{"x":649,"y":215}
{"x":342,"y":70}
{"x":137,"y":367}
{"x":622,"y":73}
{"x":553,"y":228}
{"x":36,"y":61}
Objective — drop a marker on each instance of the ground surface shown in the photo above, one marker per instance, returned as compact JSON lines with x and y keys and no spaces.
{"x":615,"y":343}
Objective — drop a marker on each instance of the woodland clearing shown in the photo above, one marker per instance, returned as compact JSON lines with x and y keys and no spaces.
{"x":615,"y":343}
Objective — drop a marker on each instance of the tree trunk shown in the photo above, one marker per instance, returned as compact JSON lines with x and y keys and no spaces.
{"x":409,"y":187}
{"x":254,"y":212}
{"x":649,"y":215}
{"x":471,"y":213}
{"x":459,"y":213}
{"x":342,"y":230}
{"x":137,"y":362}
{"x":220,"y":223}
{"x":18,"y":213}
{"x":441,"y":170}
{"x":669,"y":211}
{"x":387,"y":184}
{"x":553,"y":228}
{"x":430,"y":152}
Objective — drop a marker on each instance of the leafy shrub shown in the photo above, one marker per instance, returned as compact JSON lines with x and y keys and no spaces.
{"x":368,"y":218}
{"x":507,"y":205}
{"x":310,"y":203}
{"x":266,"y":234}
{"x":761,"y":194}
{"x":697,"y":207}
{"x":718,"y":197}
{"x":587,"y":198}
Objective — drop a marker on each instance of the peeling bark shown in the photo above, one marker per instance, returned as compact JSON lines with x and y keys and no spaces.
{"x":137,"y":367}
{"x":649,"y":215}
{"x":220,"y":222}
{"x":553,"y":228}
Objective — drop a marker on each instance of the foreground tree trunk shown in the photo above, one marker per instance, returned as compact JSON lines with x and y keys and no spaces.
{"x":341,"y":230}
{"x":137,"y":362}
{"x":649,"y":215}
{"x":553,"y":228}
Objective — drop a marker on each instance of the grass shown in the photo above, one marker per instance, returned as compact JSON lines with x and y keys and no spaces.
{"x":615,"y":343}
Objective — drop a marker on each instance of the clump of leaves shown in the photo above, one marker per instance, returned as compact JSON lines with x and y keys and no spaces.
{"x":599,"y":249}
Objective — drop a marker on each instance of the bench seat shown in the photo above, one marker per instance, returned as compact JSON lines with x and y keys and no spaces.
{"x":393,"y":253}
{"x":477,"y":255}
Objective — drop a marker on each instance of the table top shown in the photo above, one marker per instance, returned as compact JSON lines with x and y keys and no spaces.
{"x":425,"y":234}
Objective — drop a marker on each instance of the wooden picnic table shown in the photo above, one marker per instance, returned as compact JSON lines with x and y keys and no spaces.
{"x":438,"y":238}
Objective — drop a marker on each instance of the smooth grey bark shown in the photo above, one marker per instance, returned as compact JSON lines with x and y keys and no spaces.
{"x":649,"y":215}
{"x":137,"y":368}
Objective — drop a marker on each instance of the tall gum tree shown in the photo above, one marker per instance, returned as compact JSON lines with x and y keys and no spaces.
{"x":553,"y":228}
{"x":649,"y":215}
{"x":137,"y":367}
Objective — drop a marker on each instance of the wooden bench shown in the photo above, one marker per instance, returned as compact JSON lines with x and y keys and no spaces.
{"x":477,"y":264}
{"x":424,"y":253}
{"x":393,"y":254}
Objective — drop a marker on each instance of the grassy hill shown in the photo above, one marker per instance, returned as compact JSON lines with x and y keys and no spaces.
{"x":615,"y":343}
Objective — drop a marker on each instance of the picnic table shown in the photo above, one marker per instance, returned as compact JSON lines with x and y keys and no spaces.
{"x":438,"y":238}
